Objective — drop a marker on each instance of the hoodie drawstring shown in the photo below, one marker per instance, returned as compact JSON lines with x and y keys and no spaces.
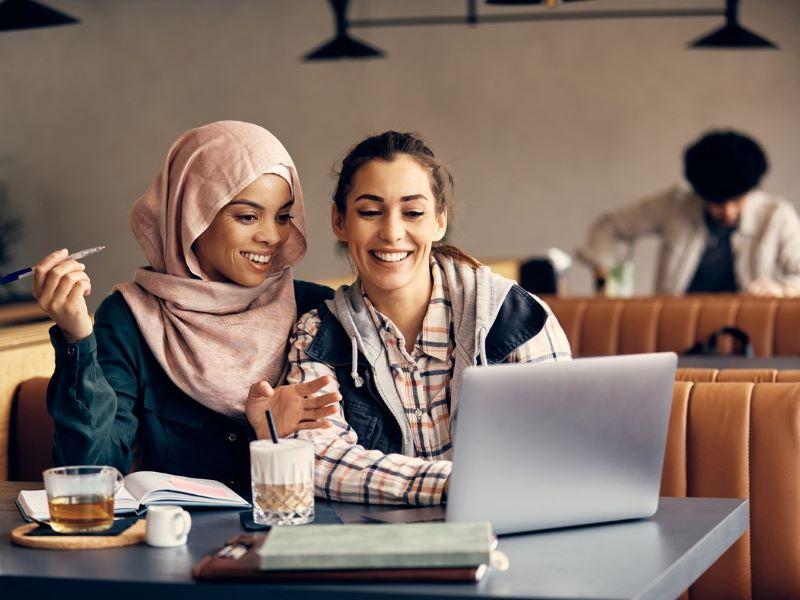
{"x":357,"y":379}
{"x":482,"y":346}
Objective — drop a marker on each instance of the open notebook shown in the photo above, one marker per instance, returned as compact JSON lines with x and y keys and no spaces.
{"x":144,"y":488}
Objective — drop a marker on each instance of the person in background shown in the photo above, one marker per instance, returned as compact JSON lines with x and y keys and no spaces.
{"x":170,"y":358}
{"x":399,"y":338}
{"x":723,"y":235}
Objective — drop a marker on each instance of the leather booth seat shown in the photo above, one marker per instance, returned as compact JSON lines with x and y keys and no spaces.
{"x":742,"y":440}
{"x":733,"y":375}
{"x":603,"y":326}
{"x":31,"y":437}
{"x":25,"y":354}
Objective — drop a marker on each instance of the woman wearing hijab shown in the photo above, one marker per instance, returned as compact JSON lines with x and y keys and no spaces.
{"x":160,"y":378}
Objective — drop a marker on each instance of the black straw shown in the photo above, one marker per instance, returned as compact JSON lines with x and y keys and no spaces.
{"x":272,"y":432}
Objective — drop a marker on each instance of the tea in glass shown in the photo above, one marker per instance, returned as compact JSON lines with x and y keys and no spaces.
{"x":70,"y":514}
{"x":81,"y":499}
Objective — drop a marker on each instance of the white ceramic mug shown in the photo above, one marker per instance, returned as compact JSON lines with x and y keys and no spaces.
{"x":167,"y":526}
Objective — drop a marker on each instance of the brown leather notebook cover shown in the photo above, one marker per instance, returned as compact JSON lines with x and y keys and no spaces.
{"x":238,"y":561}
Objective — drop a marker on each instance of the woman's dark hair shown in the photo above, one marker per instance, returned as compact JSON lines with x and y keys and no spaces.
{"x":723,"y":165}
{"x":387,"y":146}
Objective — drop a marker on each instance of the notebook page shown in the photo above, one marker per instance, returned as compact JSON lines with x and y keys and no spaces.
{"x":151,"y":487}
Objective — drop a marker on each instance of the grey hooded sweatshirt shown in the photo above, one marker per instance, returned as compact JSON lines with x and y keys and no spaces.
{"x":476,"y":297}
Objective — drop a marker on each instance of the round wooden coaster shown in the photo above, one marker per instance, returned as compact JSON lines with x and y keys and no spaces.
{"x":132,"y":535}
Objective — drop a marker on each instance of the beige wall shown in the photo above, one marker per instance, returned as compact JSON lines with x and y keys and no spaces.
{"x":543,"y":124}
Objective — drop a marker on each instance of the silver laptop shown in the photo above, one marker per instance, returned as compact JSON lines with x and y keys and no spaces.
{"x":539,"y":446}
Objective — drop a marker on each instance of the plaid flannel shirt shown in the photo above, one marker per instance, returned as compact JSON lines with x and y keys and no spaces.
{"x":348,"y":472}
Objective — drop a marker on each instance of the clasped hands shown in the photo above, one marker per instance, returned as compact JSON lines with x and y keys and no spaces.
{"x":294,"y":407}
{"x":764,"y":286}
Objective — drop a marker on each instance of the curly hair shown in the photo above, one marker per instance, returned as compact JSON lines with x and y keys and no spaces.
{"x":723,"y":165}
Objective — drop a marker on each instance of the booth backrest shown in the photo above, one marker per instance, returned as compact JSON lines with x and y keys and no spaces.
{"x":604,"y":326}
{"x":742,"y":440}
{"x":25,"y":354}
{"x":30,"y":448}
{"x":696,"y":375}
{"x":734,"y":375}
{"x":789,"y":376}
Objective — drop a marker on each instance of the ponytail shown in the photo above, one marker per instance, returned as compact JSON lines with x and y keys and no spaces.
{"x":455,"y":254}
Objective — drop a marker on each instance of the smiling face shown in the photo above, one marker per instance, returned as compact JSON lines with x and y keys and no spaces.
{"x":390,"y":224}
{"x":243,"y":237}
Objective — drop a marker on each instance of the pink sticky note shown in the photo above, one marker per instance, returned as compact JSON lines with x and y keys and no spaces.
{"x":201,"y":489}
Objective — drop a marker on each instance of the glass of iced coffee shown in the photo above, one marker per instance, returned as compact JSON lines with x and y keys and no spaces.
{"x":282,"y":476}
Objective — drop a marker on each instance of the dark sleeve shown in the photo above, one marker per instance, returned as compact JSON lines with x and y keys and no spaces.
{"x":93,"y":392}
{"x":310,"y":295}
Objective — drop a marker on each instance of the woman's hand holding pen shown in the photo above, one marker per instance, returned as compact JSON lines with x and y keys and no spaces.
{"x":60,"y":287}
{"x":293,"y":406}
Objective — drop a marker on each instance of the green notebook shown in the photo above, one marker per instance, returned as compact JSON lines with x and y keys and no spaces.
{"x":377,"y":546}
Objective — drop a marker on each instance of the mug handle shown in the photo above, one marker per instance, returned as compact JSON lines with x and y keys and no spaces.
{"x":184,"y":520}
{"x":118,"y":479}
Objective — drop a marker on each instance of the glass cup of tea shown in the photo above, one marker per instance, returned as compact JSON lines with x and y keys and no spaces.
{"x":81,"y":499}
{"x":282,"y":477}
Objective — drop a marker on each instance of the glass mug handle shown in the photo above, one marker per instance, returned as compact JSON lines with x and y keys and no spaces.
{"x":117,"y":480}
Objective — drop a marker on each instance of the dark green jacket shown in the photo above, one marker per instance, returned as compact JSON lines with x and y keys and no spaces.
{"x":111,"y":400}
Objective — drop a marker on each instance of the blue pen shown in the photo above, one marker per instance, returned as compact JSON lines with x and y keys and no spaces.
{"x":28,"y":271}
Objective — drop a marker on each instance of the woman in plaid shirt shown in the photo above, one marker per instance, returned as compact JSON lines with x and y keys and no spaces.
{"x":396,"y":341}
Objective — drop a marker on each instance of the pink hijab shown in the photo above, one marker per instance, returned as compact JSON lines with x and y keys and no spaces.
{"x":213,"y":339}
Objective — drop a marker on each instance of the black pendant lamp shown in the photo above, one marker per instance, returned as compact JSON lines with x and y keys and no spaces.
{"x":732,"y":35}
{"x":27,"y":14}
{"x":342,"y":45}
